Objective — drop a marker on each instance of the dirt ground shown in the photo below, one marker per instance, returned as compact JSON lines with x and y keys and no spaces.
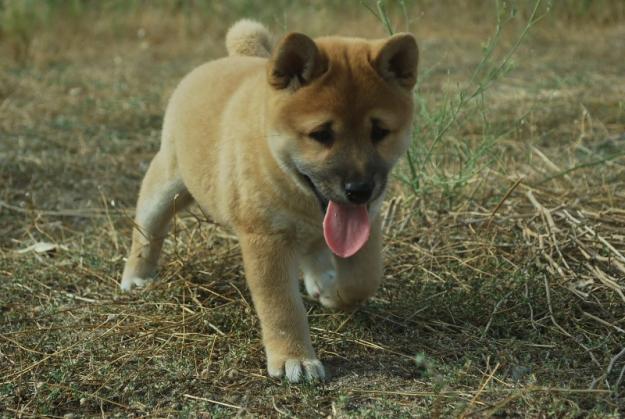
{"x":505,"y":231}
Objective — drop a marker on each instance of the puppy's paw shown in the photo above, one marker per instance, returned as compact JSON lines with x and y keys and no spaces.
{"x":296,"y":370}
{"x":322,"y":287}
{"x":129,"y":282}
{"x":318,"y":285}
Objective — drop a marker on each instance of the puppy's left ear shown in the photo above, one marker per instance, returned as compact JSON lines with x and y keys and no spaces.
{"x":396,"y":59}
{"x":295,"y":62}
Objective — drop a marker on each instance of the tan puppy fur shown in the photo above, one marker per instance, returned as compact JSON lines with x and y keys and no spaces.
{"x":261,"y":140}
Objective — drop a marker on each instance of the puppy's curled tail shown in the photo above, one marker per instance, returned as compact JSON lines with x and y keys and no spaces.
{"x":248,"y":37}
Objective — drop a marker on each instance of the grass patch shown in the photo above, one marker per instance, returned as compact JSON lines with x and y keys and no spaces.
{"x":505,"y":277}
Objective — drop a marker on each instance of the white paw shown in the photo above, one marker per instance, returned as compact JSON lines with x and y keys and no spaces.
{"x":130,"y":282}
{"x":296,"y":370}
{"x":318,"y":285}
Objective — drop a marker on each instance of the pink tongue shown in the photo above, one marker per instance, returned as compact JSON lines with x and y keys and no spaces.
{"x":346,"y":228}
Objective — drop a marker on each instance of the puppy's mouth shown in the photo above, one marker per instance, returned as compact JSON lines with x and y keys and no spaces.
{"x":323,"y":201}
{"x":346,"y":227}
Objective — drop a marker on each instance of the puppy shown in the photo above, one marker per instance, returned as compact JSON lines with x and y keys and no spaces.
{"x":291,"y":147}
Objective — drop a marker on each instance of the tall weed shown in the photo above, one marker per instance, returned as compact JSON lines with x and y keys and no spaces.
{"x":439,"y":163}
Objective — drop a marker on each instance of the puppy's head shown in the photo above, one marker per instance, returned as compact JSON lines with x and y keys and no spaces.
{"x":340,"y":112}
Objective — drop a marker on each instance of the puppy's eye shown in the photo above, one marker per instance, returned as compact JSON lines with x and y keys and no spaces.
{"x":324,"y":136}
{"x":377,"y":132}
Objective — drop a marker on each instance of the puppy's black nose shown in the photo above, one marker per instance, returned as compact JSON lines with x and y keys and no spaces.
{"x":359,"y":192}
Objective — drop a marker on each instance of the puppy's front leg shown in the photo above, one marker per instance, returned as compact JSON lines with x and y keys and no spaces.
{"x":345,"y":283}
{"x":271,"y":271}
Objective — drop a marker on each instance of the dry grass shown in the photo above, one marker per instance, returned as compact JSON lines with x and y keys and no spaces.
{"x":504,"y":295}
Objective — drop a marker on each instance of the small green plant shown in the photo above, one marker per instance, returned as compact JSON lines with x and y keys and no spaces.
{"x":437,"y":162}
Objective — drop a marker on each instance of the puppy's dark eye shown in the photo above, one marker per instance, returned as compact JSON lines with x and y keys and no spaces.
{"x":377,"y":132}
{"x":324,"y":136}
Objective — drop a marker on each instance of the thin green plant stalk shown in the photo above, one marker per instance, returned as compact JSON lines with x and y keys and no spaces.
{"x":492,"y":76}
{"x":446,"y":115}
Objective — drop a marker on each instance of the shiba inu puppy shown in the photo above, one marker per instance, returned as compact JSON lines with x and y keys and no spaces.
{"x":290,"y":146}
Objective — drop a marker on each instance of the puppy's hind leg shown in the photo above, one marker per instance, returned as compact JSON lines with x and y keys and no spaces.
{"x":162,"y":194}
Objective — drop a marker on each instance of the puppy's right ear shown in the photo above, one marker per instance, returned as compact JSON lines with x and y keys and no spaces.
{"x":295,"y":62}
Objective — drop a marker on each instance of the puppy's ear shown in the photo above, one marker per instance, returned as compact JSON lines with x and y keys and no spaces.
{"x":295,"y":62}
{"x":396,"y":59}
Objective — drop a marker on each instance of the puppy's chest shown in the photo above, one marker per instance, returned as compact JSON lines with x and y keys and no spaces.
{"x":302,"y":231}
{"x":308,"y":234}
